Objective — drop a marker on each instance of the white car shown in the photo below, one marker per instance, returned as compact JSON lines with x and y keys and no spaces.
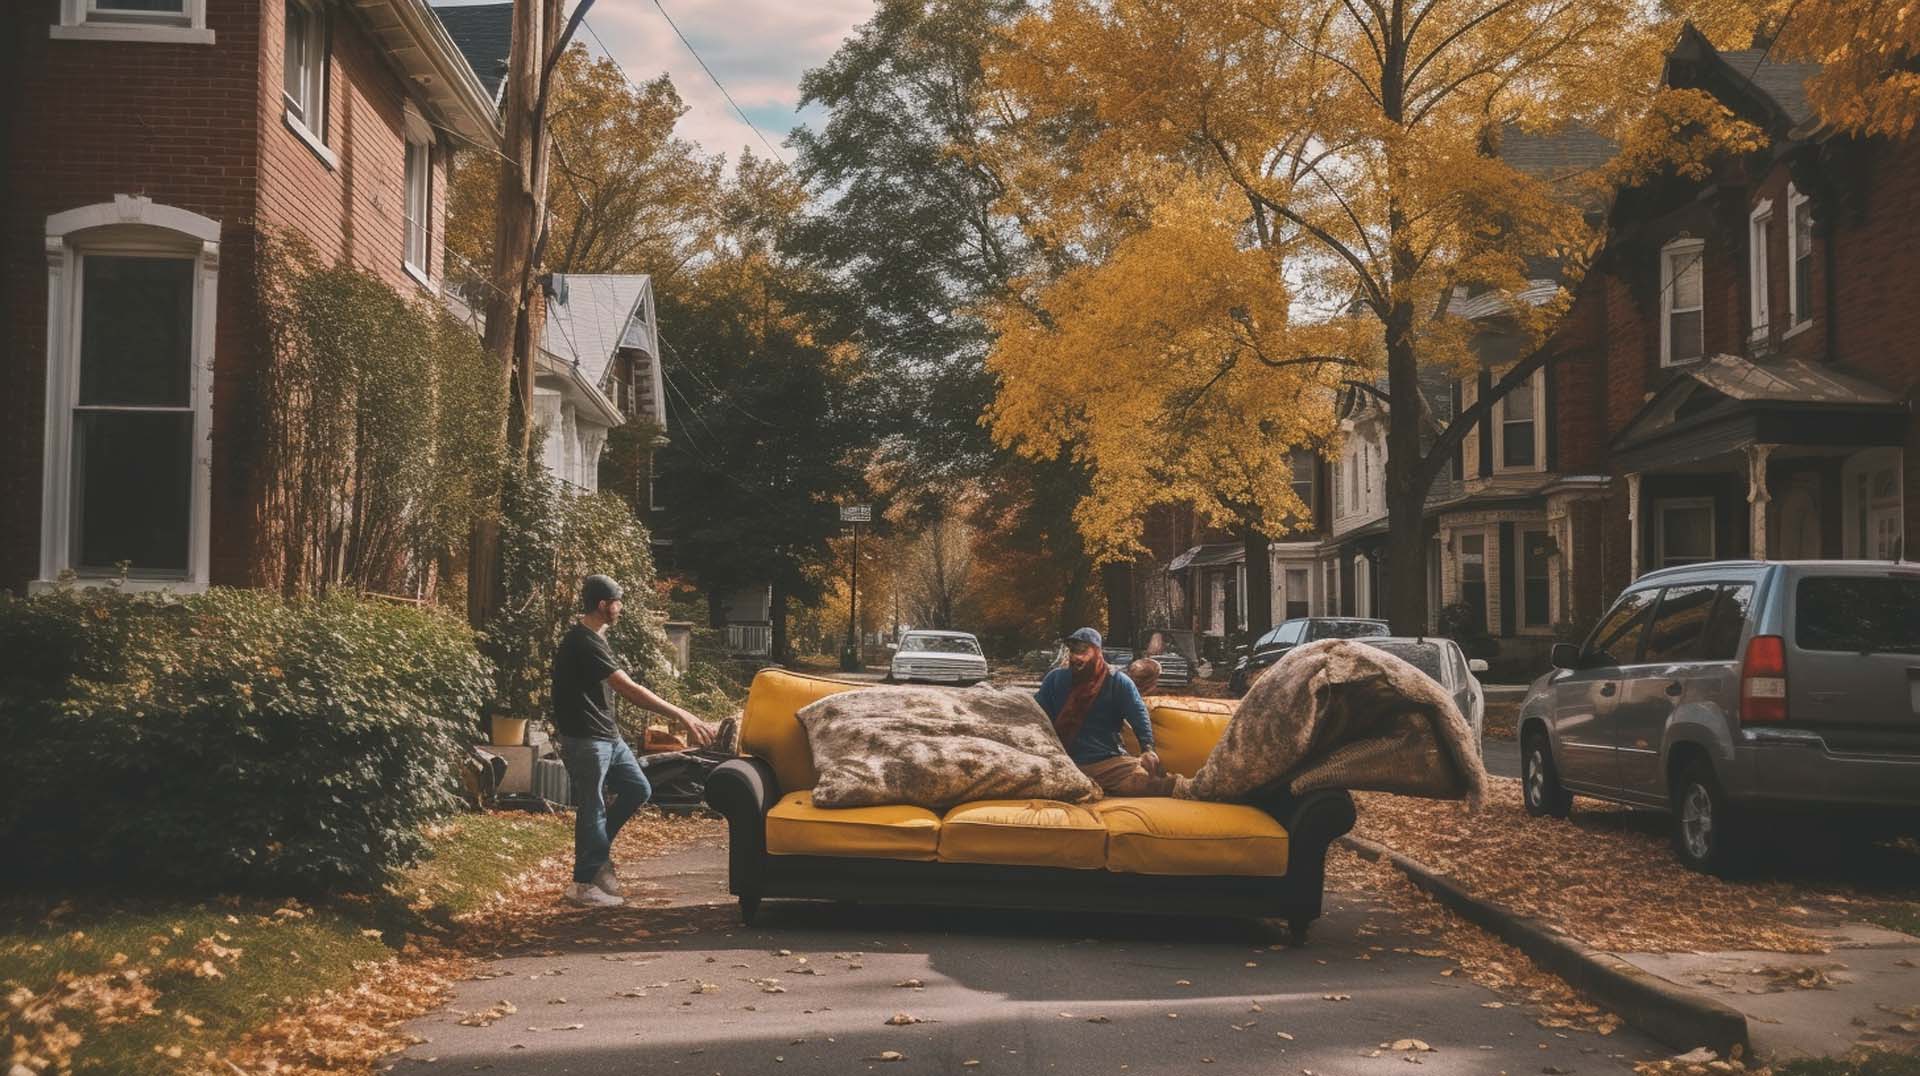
{"x":941,"y":657}
{"x":1449,"y":666}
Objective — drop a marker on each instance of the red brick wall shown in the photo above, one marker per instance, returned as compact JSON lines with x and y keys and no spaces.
{"x":198,"y":127}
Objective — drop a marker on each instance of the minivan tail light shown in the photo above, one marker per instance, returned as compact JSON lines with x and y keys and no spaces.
{"x":1763,"y":681}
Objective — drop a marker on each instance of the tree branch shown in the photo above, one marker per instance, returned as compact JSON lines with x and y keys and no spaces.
{"x":1451,"y":438}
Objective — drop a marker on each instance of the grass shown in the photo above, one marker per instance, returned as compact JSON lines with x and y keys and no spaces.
{"x":1901,"y":917}
{"x":143,"y":982}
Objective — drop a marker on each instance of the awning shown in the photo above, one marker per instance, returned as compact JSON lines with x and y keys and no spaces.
{"x":1203,"y":556}
{"x":1727,"y":402}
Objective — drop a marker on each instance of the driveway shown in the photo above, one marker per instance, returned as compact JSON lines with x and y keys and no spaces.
{"x":678,"y":986}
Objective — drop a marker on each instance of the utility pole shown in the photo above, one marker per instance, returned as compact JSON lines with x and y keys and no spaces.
{"x":855,"y":514}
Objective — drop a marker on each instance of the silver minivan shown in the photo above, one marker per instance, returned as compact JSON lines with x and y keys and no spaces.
{"x":1721,"y":690}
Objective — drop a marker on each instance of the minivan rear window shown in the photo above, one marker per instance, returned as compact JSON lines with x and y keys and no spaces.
{"x":1858,"y":614}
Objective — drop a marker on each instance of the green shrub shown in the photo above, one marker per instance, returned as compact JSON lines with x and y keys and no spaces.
{"x":229,"y":739}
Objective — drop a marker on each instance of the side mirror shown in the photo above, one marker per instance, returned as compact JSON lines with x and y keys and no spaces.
{"x":1477,"y":665}
{"x":1564,"y":656}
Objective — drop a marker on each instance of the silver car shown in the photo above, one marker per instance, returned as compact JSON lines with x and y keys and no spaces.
{"x":942,"y":657}
{"x":1449,"y":666}
{"x":1717,"y":691}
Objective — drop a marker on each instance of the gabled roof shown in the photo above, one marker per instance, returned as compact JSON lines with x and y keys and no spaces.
{"x":1753,"y":82}
{"x":590,"y":316}
{"x":484,"y":35}
{"x":1726,"y":400}
{"x":434,"y":68}
{"x":1784,"y":83}
{"x":1207,"y":556}
{"x":1548,"y":154}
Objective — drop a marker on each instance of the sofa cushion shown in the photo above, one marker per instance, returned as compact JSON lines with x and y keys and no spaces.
{"x":1169,"y":836}
{"x":1184,"y":731}
{"x":1029,"y":832}
{"x":795,"y":827}
{"x":770,"y":731}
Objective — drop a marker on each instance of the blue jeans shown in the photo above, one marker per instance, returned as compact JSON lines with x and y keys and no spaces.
{"x":594,"y":766}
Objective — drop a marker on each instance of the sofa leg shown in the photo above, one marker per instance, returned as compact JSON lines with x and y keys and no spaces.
{"x":1297,"y":929}
{"x":749,"y":909}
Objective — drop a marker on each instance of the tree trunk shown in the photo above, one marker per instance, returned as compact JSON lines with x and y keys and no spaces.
{"x":1259,"y":583}
{"x":1406,"y":568}
{"x":1073,"y":598}
{"x":1117,"y":581}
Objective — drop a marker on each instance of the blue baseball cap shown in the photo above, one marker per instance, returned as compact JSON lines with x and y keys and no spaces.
{"x":1085,"y":635}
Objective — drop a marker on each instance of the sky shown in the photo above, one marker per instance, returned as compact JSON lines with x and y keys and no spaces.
{"x":758,"y":48}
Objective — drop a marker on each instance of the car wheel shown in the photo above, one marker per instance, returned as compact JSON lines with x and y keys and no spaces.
{"x":1705,"y":825}
{"x":1539,"y":781}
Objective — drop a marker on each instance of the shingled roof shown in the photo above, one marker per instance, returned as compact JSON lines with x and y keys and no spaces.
{"x":484,"y":35}
{"x":1556,"y":153}
{"x":1784,"y":83}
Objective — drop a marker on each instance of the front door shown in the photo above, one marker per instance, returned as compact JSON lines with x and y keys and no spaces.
{"x":1584,"y":699}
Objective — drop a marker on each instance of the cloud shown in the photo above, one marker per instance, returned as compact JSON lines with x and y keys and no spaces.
{"x":758,"y":48}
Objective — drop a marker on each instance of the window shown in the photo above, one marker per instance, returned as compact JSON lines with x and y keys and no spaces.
{"x":1617,"y":639}
{"x":129,"y":345}
{"x":1534,"y":603}
{"x":1339,"y":498}
{"x":1800,"y":251}
{"x":1858,"y":614}
{"x":1353,"y":480}
{"x":1290,"y":632}
{"x":1757,"y":279}
{"x":1680,"y":624}
{"x":1303,"y":483}
{"x":304,"y":78}
{"x":1296,"y":593}
{"x":1473,"y":572}
{"x":1518,"y":430}
{"x":1683,"y":531}
{"x":1722,"y":640}
{"x":173,"y":21}
{"x":1682,"y":321}
{"x":418,"y":205}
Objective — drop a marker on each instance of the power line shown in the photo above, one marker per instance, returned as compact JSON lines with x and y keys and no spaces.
{"x":588,"y":25}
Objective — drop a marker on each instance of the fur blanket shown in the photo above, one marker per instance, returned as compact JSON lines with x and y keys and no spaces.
{"x":1341,"y":714}
{"x":935,"y":748}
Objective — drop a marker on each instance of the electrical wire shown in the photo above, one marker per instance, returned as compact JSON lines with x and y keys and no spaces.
{"x":587,"y":24}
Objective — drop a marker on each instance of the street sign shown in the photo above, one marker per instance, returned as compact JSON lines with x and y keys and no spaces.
{"x":856,"y":513}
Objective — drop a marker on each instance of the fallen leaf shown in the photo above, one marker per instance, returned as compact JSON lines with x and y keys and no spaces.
{"x":886,"y":1055}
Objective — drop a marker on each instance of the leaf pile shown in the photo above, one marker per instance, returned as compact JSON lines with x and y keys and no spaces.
{"x":1594,"y":876}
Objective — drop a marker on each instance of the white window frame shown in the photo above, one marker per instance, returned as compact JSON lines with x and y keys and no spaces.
{"x":1759,"y":281}
{"x":1662,"y":507}
{"x":1669,"y":254}
{"x":127,"y":225}
{"x":91,"y":20}
{"x":307,"y":119}
{"x":416,"y":203}
{"x":1536,"y":386}
{"x":1799,"y":307}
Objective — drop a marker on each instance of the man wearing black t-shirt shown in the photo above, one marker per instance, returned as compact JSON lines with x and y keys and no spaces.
{"x":599,"y":762}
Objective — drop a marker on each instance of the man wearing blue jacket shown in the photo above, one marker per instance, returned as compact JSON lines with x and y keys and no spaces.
{"x":1088,"y":701}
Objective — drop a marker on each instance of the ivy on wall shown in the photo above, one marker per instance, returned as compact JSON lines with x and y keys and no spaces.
{"x":382,"y":440}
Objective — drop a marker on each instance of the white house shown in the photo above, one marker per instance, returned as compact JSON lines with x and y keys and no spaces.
{"x":598,"y":367}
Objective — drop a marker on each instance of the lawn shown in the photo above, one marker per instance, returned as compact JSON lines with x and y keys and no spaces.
{"x":134,"y":985}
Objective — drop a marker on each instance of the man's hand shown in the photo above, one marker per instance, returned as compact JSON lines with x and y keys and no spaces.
{"x":701,"y":733}
{"x":1150,"y":761}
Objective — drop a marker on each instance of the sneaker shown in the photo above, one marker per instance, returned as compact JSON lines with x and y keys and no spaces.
{"x":588,"y":895}
{"x":607,"y":880}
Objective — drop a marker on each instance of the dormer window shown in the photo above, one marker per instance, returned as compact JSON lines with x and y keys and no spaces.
{"x":1682,"y":302}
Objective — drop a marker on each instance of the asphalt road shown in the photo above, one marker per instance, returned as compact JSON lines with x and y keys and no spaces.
{"x":672,"y":989}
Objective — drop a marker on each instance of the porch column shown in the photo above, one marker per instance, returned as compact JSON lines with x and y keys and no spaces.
{"x":1633,"y":526}
{"x":1757,"y":497}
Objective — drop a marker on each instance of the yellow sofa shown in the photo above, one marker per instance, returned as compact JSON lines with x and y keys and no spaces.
{"x":1264,"y":858}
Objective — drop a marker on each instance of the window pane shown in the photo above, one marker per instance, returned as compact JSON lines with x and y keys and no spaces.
{"x":1685,"y":337}
{"x":1680,"y":624}
{"x":1686,"y":280}
{"x":132,"y":472}
{"x":1533,"y":565}
{"x":1803,"y":286}
{"x":1517,"y":444}
{"x":1519,"y":403}
{"x":1423,"y":656}
{"x":175,"y":6}
{"x":136,"y":327}
{"x":416,"y":222}
{"x":1722,"y":642}
{"x":1686,"y":534}
{"x":1803,"y":230}
{"x":294,"y":82}
{"x":1617,"y":640}
{"x":1858,"y":614}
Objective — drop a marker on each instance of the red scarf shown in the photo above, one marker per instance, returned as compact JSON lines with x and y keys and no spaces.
{"x":1087,"y":682}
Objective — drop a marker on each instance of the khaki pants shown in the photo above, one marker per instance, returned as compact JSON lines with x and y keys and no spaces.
{"x":1125,"y":775}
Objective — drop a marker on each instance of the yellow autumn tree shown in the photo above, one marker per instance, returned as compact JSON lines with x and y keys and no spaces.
{"x":1868,"y":52}
{"x":1356,"y":143}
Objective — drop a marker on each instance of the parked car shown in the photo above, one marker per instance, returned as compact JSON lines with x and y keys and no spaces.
{"x":1449,"y":666}
{"x":1724,"y":690}
{"x":944,"y":657}
{"x":1175,"y":670}
{"x":1270,"y":647}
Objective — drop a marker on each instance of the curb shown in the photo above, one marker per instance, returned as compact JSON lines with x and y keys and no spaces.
{"x":1675,"y":1016}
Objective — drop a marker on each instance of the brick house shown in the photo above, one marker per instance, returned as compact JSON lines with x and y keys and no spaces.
{"x":152,"y":144}
{"x":1738,"y":364}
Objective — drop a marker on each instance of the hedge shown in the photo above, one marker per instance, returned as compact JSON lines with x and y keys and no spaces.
{"x":227,"y":740}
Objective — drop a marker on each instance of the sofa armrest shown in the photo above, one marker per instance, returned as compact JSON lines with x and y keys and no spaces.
{"x":744,"y":790}
{"x":1316,"y":820}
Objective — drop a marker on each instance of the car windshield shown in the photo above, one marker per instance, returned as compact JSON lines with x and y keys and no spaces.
{"x":1346,"y":629}
{"x":940,"y":644}
{"x":1422,"y":656}
{"x":1858,"y":614}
